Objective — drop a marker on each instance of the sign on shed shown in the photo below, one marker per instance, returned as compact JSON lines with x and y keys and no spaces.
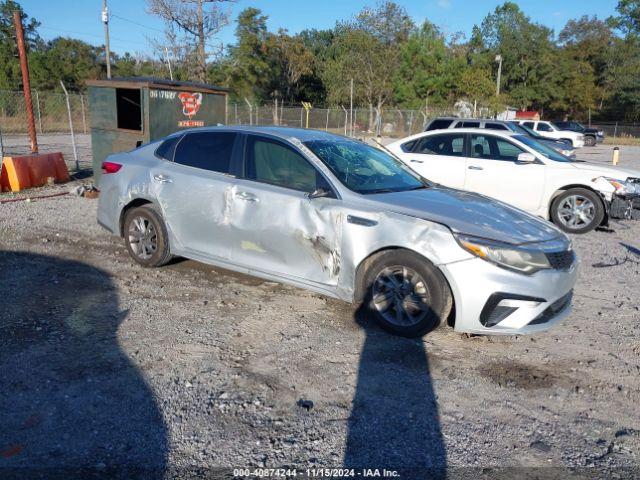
{"x":126,"y":112}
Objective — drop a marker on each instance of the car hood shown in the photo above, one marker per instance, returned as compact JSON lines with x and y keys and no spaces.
{"x":598,"y":169}
{"x":469,"y":213}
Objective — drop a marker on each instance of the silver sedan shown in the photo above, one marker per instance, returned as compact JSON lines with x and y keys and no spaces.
{"x":339,"y":217}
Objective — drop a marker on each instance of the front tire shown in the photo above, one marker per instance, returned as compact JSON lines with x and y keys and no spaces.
{"x":590,"y":141}
{"x":145,"y":236}
{"x":577,"y":210}
{"x":406,"y":294}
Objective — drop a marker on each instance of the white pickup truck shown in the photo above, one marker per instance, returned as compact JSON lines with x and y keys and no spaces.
{"x":549,"y":130}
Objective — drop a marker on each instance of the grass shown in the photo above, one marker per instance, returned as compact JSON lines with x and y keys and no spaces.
{"x":622,"y":140}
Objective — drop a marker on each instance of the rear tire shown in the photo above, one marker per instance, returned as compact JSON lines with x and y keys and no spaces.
{"x":145,"y":236}
{"x":406,"y":294}
{"x":577,"y":210}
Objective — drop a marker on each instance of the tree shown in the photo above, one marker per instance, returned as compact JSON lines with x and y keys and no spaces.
{"x":293,"y":60}
{"x":10,"y":77}
{"x":423,"y":73}
{"x":249,"y":68}
{"x":197,"y":20}
{"x":629,"y":16}
{"x":527,"y":50}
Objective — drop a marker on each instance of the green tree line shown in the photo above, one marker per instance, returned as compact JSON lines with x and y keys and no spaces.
{"x":592,"y":64}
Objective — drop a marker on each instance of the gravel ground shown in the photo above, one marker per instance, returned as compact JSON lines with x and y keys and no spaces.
{"x":106,"y":365}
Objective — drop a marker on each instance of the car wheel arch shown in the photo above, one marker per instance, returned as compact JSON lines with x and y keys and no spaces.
{"x":561,"y":190}
{"x":359,"y":278}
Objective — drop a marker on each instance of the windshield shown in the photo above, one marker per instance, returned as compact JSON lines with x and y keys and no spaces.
{"x":528,"y":131}
{"x":364,"y":169}
{"x":548,"y":152}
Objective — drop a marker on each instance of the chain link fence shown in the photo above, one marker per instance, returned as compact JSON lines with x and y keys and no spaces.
{"x":360,"y":122}
{"x":54,"y":118}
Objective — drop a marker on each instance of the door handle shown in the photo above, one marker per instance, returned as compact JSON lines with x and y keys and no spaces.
{"x":246,"y":196}
{"x":473,"y":167}
{"x":416,"y":161}
{"x":162,"y":178}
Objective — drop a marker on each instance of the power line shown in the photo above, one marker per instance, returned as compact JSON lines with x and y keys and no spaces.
{"x":113,"y":15}
{"x":64,"y":30}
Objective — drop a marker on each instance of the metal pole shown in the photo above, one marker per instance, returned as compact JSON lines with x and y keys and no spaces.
{"x":73,"y":137}
{"x":499,"y":60}
{"x":346,"y":119}
{"x":326,"y":127}
{"x":166,"y":54}
{"x":105,"y":20}
{"x":351,"y":108}
{"x":38,"y":111}
{"x":84,"y":120}
{"x":589,"y":117}
{"x":26,"y":84}
{"x":235,"y":105}
{"x":615,"y":130}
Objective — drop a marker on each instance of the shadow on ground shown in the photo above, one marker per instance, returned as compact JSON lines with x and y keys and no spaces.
{"x":394,"y":420}
{"x":72,"y":403}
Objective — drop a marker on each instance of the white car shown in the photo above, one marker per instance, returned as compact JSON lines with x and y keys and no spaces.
{"x":577,"y":196}
{"x":549,"y":130}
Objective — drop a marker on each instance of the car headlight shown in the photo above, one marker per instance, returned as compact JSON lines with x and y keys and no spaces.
{"x":566,"y":153}
{"x":622,"y":187}
{"x":504,"y":255}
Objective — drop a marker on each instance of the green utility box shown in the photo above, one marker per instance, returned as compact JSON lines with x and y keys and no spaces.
{"x":127,"y":112}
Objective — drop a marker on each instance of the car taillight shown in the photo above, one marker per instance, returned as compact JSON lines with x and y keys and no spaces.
{"x":110,"y":167}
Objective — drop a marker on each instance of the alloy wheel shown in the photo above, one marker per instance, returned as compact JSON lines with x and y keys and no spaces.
{"x":576,"y":212}
{"x":400,"y":295}
{"x":143,"y":238}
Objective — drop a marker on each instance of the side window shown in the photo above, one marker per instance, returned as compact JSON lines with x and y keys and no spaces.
{"x":495,"y":126}
{"x":543,"y":127}
{"x":167,"y":148}
{"x":494,"y":148}
{"x":468,"y":125}
{"x":408,"y":146}
{"x":206,"y":150}
{"x":439,"y":124}
{"x":529,"y":125}
{"x":272,"y":162}
{"x":449,"y":144}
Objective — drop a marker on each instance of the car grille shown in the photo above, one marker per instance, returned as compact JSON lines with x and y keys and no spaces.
{"x":552,"y":310}
{"x":561,"y":260}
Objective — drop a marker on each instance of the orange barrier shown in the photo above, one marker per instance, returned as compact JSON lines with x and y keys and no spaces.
{"x":34,"y":170}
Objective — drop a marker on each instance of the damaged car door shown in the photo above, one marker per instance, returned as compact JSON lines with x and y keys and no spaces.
{"x":286,"y":219}
{"x":193,"y":191}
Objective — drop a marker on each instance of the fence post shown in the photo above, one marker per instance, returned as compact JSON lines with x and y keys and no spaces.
{"x":84,"y":120}
{"x":38,"y":111}
{"x":73,"y":137}
{"x":326,"y":127}
{"x":235,"y":105}
{"x":615,"y":130}
{"x":257,"y":115}
{"x":301,"y":116}
{"x":346,"y":119}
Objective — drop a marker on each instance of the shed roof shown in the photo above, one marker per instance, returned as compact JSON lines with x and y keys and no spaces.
{"x":153,"y":82}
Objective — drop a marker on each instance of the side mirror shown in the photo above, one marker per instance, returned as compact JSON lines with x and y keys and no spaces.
{"x":319,"y":193}
{"x":526,"y":157}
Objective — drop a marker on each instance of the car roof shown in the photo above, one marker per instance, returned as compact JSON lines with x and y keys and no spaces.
{"x":452,"y":131}
{"x":286,"y":133}
{"x":469,"y":119}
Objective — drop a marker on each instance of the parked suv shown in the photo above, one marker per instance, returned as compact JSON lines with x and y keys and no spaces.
{"x":441,"y":123}
{"x":591,"y":135}
{"x":339,"y":217}
{"x":549,"y":130}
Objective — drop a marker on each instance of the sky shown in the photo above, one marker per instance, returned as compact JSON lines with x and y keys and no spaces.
{"x":131,"y":26}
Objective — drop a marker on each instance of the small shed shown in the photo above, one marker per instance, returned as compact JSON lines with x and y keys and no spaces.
{"x":528,"y":115}
{"x":126,"y":112}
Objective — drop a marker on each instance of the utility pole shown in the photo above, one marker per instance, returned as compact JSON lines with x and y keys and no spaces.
{"x":26,"y":84}
{"x":105,"y":20}
{"x":499,"y":60}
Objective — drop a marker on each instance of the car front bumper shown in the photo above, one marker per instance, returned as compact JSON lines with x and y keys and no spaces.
{"x":478,"y":286}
